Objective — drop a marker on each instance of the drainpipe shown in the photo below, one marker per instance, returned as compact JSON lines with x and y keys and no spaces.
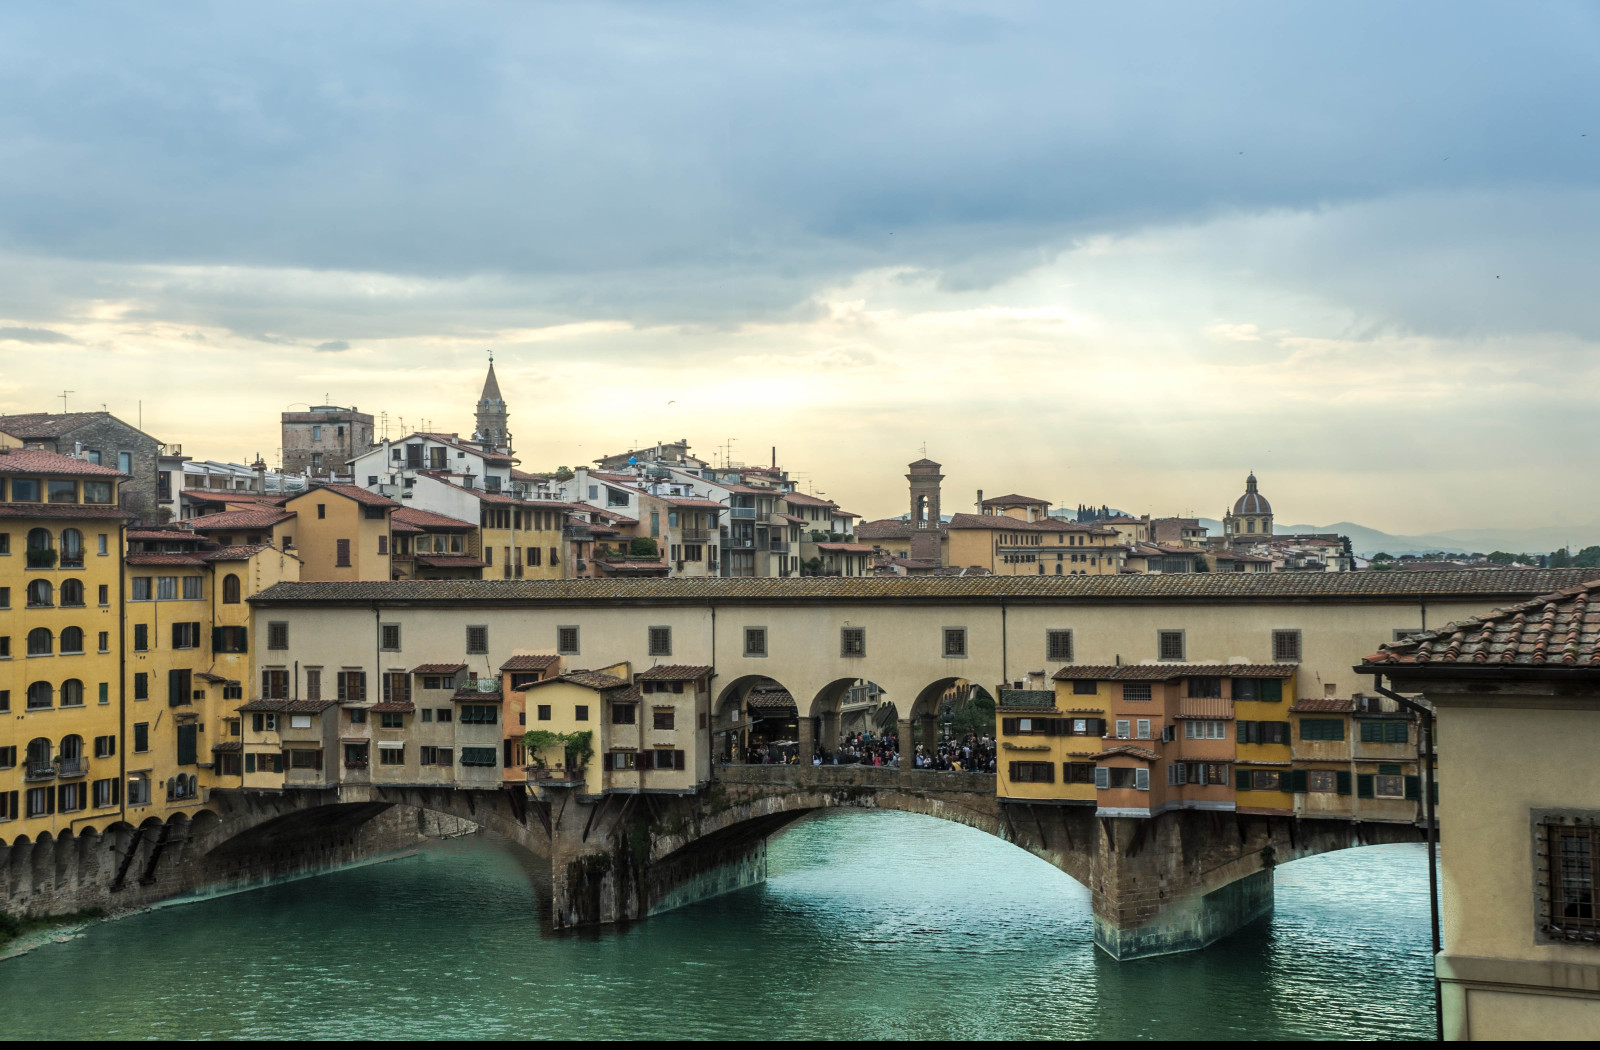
{"x":1426,"y":717}
{"x":122,"y":667}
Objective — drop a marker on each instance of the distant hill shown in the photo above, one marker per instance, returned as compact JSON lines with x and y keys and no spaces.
{"x":1459,"y":541}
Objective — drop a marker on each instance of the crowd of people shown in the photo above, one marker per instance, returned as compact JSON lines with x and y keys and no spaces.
{"x":865,"y":749}
{"x":971,"y":753}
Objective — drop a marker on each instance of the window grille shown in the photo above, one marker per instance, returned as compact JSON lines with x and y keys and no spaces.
{"x":1058,"y":646}
{"x":955,"y":641}
{"x":1286,"y":646}
{"x":1170,"y":645}
{"x":853,"y":641}
{"x":660,"y":641}
{"x":1568,"y":856}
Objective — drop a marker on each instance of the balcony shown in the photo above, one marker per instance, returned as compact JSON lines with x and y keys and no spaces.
{"x":74,"y":767}
{"x":739,"y":543}
{"x":778,"y":547}
{"x":576,"y":532}
{"x":694,"y":535}
{"x":744,"y":513}
{"x":39,"y":772}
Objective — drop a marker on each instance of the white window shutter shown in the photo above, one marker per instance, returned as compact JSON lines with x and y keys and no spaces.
{"x":1102,"y":777}
{"x":1141,"y":779}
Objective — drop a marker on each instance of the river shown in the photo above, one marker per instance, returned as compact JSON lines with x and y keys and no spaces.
{"x":871,"y":925}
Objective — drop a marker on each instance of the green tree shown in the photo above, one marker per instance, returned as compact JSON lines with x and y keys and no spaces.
{"x":1501,"y":557}
{"x":1561,"y":559}
{"x":643,"y":547}
{"x":1588,"y":558}
{"x":974,"y":716}
{"x":1383,"y":556}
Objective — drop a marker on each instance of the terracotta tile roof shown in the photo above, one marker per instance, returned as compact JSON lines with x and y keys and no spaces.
{"x":1324,"y":704}
{"x":426,"y":520}
{"x":450,"y":561}
{"x":174,"y":534}
{"x":438,"y":668}
{"x":847,"y":548}
{"x":28,"y":425}
{"x":1130,"y":750}
{"x":289,"y":707}
{"x":61,"y":510}
{"x":884,"y":529}
{"x":234,"y":520}
{"x":769,"y":700}
{"x":207,"y":676}
{"x":1030,"y":699}
{"x":239,"y":552}
{"x":1164,"y":588}
{"x":38,"y":461}
{"x":227,"y":746}
{"x":792,"y":520}
{"x":193,"y":560}
{"x":998,"y":522}
{"x":400,"y":528}
{"x":587,"y":679}
{"x":355,"y":492}
{"x":1168,"y":672}
{"x":632,"y":568}
{"x":673,"y":673}
{"x":803,"y":499}
{"x":392,"y":706}
{"x":1559,"y":631}
{"x":1014,"y":500}
{"x":530,"y":662}
{"x":1205,"y":707}
{"x":692,"y":502}
{"x":482,"y":495}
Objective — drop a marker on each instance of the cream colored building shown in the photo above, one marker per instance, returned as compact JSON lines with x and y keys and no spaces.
{"x":1516,"y":702}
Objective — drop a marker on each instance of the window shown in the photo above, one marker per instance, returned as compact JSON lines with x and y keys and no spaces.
{"x":391,"y":756}
{"x":480,"y":714}
{"x":1058,"y":646}
{"x":663,"y":719}
{"x":166,"y":588}
{"x":660,"y":639}
{"x":1169,"y":645}
{"x":277,"y":635}
{"x":955,"y":642}
{"x":358,"y":716}
{"x":40,"y":642}
{"x":1321,"y":729}
{"x":543,"y":712}
{"x":39,"y":594}
{"x":352,"y":686}
{"x":435,"y":756}
{"x":341,"y":552}
{"x":478,"y":756}
{"x":755,"y":641}
{"x":139,"y":789}
{"x":853,"y":641}
{"x":105,"y":792}
{"x":1033,"y":772}
{"x":105,"y":594}
{"x":186,"y":635}
{"x":322,"y":510}
{"x":1205,"y":688}
{"x":313,"y":682}
{"x":1388,"y":783}
{"x":478,"y":639}
{"x":442,"y":714}
{"x":1326,"y":781}
{"x":392,"y":720}
{"x":141,"y":589}
{"x":1205,"y":729}
{"x":1568,"y":857}
{"x":103,"y":547}
{"x":1248,"y":732}
{"x":567,"y":641}
{"x":275,"y":684}
{"x":5,"y":700}
{"x":580,"y":713}
{"x":230,"y":589}
{"x":1141,"y":729}
{"x":623,"y":714}
{"x":72,"y":693}
{"x":26,"y":490}
{"x":1286,"y":646}
{"x":97,"y":492}
{"x":389,"y":640}
{"x":141,"y":737}
{"x":141,"y":685}
{"x":1136,"y":691}
{"x":233,"y":640}
{"x":71,"y":593}
{"x":1077,"y":772}
{"x":192,"y":588}
{"x":1372,"y":732}
{"x":1123,"y":728}
{"x":62,"y":491}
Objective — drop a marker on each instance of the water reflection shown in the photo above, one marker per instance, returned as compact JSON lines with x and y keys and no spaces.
{"x":872,"y":925}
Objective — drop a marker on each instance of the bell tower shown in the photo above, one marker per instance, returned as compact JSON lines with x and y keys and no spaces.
{"x":493,"y":420}
{"x":927,"y":527}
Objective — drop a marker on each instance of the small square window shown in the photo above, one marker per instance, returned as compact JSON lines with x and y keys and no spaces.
{"x":478,"y":639}
{"x":955,"y":641}
{"x":853,"y":641}
{"x":1170,"y":645}
{"x":567,"y":641}
{"x":1286,"y":646}
{"x":544,"y":712}
{"x":1058,"y":646}
{"x":660,"y":641}
{"x":390,"y":641}
{"x":755,"y":641}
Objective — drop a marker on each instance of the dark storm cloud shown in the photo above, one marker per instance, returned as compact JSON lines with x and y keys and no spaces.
{"x":715,"y":162}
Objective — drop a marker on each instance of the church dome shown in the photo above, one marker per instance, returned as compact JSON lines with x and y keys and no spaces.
{"x":1252,"y":502}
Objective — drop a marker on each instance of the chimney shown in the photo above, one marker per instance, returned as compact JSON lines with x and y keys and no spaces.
{"x":774,"y":457}
{"x":260,"y":467}
{"x":980,"y":501}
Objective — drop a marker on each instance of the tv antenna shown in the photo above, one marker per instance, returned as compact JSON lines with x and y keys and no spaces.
{"x":64,"y":394}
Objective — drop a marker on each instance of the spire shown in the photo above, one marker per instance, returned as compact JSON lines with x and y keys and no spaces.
{"x":491,"y":385}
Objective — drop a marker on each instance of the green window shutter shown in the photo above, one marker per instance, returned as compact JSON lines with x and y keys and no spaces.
{"x":250,"y":763}
{"x":1395,"y":733}
{"x":1342,"y":777}
{"x":1371,"y":731}
{"x":1364,"y":785}
{"x":1272,"y":690}
{"x":1241,"y":779}
{"x":1243,"y":735}
{"x":1297,"y":781}
{"x":188,"y":744}
{"x":1389,"y":769}
{"x":1414,"y":789}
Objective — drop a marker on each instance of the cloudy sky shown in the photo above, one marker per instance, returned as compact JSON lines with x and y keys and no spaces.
{"x":1108,"y":253}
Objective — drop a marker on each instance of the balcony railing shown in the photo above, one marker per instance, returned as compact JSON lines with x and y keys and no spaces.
{"x":740,"y":543}
{"x":74,"y":767}
{"x":742,"y":512}
{"x":779,"y":547}
{"x":38,"y":772}
{"x":576,"y":532}
{"x":695,"y":535}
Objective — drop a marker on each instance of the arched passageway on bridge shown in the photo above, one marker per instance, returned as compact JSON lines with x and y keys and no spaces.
{"x":946,"y":715}
{"x":851,"y":720}
{"x":757,"y":719}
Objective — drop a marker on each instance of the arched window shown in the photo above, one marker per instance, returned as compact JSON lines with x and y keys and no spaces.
{"x":40,"y":642}
{"x":72,"y":693}
{"x":39,"y":754}
{"x":39,"y":540}
{"x":230,"y":589}
{"x":71,"y":753}
{"x":71,"y":592}
{"x":71,"y":549}
{"x":39,"y":593}
{"x":39,"y":695}
{"x":72,"y":639}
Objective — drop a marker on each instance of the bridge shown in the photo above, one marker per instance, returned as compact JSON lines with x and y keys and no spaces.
{"x":1171,"y":883}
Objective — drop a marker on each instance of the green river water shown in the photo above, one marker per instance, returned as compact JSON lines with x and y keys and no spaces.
{"x":871,"y":925}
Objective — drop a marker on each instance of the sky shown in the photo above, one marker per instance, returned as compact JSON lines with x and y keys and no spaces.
{"x":1097,"y":253}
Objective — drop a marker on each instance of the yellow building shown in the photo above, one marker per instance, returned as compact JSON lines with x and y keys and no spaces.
{"x":1515,"y":700}
{"x":1011,"y":546}
{"x":342,"y":533}
{"x":61,"y":754}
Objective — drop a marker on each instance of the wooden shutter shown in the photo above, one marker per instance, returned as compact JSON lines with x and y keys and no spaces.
{"x":1299,"y":781}
{"x":677,"y":760}
{"x":188,"y":744}
{"x":216,"y":640}
{"x":386,"y":691}
{"x":1414,"y":788}
{"x":116,"y":790}
{"x":1342,"y":781}
{"x":1271,"y":690}
{"x":1241,"y":779}
{"x":1009,"y":727}
{"x":250,"y":760}
{"x":1102,"y":777}
{"x":1364,"y":785}
{"x":1141,"y":779}
{"x":319,"y":758}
